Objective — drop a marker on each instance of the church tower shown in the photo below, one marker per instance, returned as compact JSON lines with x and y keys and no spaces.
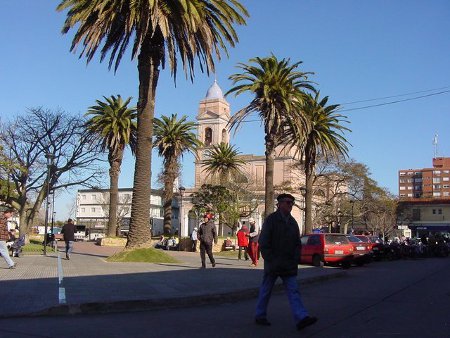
{"x":212,"y":118}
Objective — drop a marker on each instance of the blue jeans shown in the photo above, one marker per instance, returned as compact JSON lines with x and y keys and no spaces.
{"x":291,"y":286}
{"x":69,"y":247}
{"x":5,"y":253}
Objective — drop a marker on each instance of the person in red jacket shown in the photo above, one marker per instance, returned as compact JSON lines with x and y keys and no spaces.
{"x":253,"y":246}
{"x":242,"y":237}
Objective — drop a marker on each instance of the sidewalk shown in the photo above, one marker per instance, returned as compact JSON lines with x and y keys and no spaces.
{"x":89,"y":284}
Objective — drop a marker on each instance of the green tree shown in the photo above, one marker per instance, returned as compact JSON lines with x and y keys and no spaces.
{"x":324,"y":138}
{"x":161,"y":30}
{"x":114,"y":124}
{"x":278,"y":91}
{"x":173,"y":137}
{"x":222,"y":160}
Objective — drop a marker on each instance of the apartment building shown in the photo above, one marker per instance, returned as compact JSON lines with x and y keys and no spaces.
{"x":427,"y":182}
{"x":93,"y":209}
{"x":424,"y":198}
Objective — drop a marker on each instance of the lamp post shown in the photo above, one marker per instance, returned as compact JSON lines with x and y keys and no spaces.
{"x":181,"y":189}
{"x":303,"y":207}
{"x":352,"y":202}
{"x":53,"y":211}
{"x":49,"y":158}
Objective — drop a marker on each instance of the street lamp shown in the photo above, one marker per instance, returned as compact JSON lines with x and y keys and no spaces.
{"x":49,"y":158}
{"x":352,"y":202}
{"x":303,"y":207}
{"x":181,"y":189}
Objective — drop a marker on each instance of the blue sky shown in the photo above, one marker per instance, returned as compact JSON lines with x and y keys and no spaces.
{"x":358,"y":50}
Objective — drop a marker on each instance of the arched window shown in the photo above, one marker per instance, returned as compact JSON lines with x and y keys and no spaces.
{"x":208,"y":136}
{"x":224,"y":136}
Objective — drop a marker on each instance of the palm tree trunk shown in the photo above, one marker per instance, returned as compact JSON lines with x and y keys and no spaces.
{"x":270,"y":161}
{"x":148,"y":68}
{"x":170,"y":173}
{"x":114,"y":171}
{"x":309,"y":177}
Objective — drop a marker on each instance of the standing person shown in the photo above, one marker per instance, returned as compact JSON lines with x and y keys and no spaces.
{"x":4,"y":236}
{"x":280,"y":248}
{"x":253,"y":247}
{"x":207,"y":234}
{"x":194,"y":239}
{"x":242,"y":237}
{"x":68,"y":230}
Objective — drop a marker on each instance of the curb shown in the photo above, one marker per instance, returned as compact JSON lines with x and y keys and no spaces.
{"x":164,"y":303}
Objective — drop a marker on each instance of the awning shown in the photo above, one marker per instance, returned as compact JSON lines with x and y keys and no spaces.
{"x":431,"y":226}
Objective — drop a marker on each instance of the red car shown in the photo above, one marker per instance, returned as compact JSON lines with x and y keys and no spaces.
{"x":361,"y":250}
{"x":318,"y":249}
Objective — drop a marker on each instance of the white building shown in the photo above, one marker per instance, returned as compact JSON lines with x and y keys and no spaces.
{"x":93,"y":208}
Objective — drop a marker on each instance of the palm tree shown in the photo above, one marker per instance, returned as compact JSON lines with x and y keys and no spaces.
{"x":173,"y":137}
{"x":222,"y":160}
{"x":115,"y":125}
{"x":324,"y":138}
{"x":161,"y":30}
{"x":278,"y":90}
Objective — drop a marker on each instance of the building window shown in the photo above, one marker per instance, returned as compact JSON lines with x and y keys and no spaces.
{"x":436,"y":194}
{"x":439,"y":211}
{"x":446,"y":171}
{"x":402,"y":188}
{"x":418,"y":187}
{"x":208,"y":136}
{"x":437,"y":186}
{"x":436,"y":180}
{"x":446,"y":193}
{"x":446,"y":186}
{"x":94,"y":197}
{"x":418,"y":180}
{"x":437,"y":172}
{"x":92,"y":209}
{"x":410,"y":195}
{"x":224,"y":136}
{"x":445,"y":179}
{"x":402,"y":173}
{"x":83,"y":210}
{"x":83,"y":197}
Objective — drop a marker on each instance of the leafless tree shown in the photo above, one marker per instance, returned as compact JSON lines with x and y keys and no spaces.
{"x":29,"y":141}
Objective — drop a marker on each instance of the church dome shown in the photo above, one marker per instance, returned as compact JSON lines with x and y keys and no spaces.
{"x":214,"y":92}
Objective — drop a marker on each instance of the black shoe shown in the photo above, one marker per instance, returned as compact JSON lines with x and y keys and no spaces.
{"x":262,"y":321}
{"x":67,"y":256}
{"x":13,"y":266}
{"x":307,"y":321}
{"x":213,"y":264}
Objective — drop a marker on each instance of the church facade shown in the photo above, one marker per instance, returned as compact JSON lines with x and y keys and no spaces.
{"x":214,"y":113}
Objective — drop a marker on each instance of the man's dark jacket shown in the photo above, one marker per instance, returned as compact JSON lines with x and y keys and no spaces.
{"x":279,"y":243}
{"x":68,"y":230}
{"x":207,"y":233}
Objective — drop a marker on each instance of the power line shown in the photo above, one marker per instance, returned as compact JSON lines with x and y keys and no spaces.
{"x":399,"y":95}
{"x":396,"y":101}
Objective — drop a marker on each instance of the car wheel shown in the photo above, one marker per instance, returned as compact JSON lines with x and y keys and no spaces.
{"x":317,"y":261}
{"x":346,"y":264}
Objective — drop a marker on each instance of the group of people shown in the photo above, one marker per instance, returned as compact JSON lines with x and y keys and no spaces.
{"x":248,"y":242}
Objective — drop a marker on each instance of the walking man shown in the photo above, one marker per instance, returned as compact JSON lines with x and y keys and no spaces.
{"x":194,"y":239}
{"x":68,"y":230}
{"x":242,"y":239}
{"x":4,"y":236}
{"x":207,"y":234}
{"x":280,"y":247}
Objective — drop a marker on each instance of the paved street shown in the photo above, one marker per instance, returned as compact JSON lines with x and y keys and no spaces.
{"x":384,"y":299}
{"x":89,"y":284}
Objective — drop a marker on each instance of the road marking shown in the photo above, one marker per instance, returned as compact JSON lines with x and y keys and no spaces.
{"x":61,"y":290}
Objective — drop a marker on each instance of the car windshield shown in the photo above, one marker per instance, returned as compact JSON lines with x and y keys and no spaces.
{"x":354,"y":239}
{"x":364,"y":239}
{"x":336,"y":239}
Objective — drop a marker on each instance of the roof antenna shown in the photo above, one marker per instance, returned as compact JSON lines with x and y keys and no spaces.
{"x":435,"y":144}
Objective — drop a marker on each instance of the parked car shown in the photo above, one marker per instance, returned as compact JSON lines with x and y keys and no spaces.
{"x":361,"y":251}
{"x":326,"y":248}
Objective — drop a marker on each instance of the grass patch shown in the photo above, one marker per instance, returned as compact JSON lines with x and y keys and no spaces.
{"x":147,"y":255}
